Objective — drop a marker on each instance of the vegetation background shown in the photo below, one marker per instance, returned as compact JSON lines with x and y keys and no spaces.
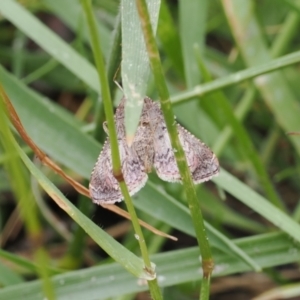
{"x":213,"y":54}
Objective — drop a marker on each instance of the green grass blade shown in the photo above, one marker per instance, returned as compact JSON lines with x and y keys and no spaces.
{"x":174,"y":267}
{"x":69,"y":11}
{"x":185,"y":175}
{"x":117,"y":165}
{"x":238,"y":77}
{"x":35,"y":112}
{"x":256,"y":202}
{"x":25,"y":264}
{"x":135,"y":63}
{"x":220,"y":211}
{"x":9,"y":277}
{"x":169,"y":38}
{"x":192,"y":16}
{"x":273,"y":87}
{"x":222,"y":102}
{"x":50,"y":42}
{"x":126,"y":258}
{"x":178,"y":216}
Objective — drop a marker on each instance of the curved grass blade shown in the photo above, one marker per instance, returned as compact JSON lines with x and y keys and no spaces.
{"x":126,"y":258}
{"x":258,"y":203}
{"x":135,"y":63}
{"x":50,"y":42}
{"x":111,"y":280}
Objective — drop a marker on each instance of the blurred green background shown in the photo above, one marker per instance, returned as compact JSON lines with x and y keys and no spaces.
{"x":232,"y":70}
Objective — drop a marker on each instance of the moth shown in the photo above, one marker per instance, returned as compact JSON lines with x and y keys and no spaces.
{"x":151,"y":148}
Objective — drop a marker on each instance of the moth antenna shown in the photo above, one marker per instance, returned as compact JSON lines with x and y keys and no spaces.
{"x":115,"y":79}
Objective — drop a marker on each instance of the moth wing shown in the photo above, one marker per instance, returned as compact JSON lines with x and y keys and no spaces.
{"x":202,"y":162}
{"x":163,"y":156}
{"x":104,"y":188}
{"x":164,"y":159}
{"x":143,"y":143}
{"x":133,"y":171}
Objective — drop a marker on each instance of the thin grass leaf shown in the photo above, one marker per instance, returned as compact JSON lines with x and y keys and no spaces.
{"x":50,"y":42}
{"x":192,"y":16}
{"x":44,"y":123}
{"x":70,"y":12}
{"x":9,"y":277}
{"x":220,"y":211}
{"x":178,"y":216}
{"x":222,"y":102}
{"x":148,"y":267}
{"x":273,"y":87}
{"x":25,"y":264}
{"x":174,"y":267}
{"x":169,"y":38}
{"x":237,"y":77}
{"x":135,"y":63}
{"x":185,"y":175}
{"x":26,"y":205}
{"x":256,"y":202}
{"x":126,"y":258}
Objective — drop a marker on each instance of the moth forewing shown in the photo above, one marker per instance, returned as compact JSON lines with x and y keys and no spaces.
{"x":202,"y":162}
{"x":104,"y":188}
